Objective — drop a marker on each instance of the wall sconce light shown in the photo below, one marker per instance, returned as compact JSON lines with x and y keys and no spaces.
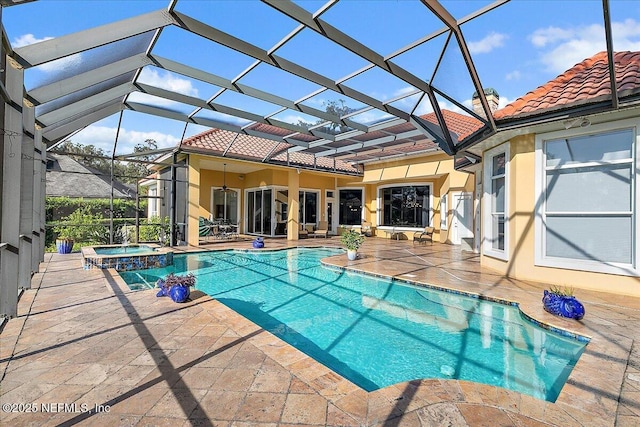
{"x":240,"y":177}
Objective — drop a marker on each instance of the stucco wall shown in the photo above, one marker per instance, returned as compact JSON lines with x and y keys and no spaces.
{"x":522,"y":233}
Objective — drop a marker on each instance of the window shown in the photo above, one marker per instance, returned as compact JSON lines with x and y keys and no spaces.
{"x":350,"y":206}
{"x":152,"y":202}
{"x":408,"y":206}
{"x":586,"y":184}
{"x":444,"y":212}
{"x":496,"y":203}
{"x":308,"y":207}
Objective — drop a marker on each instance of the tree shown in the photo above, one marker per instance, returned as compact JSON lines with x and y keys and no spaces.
{"x":140,"y":170}
{"x":337,"y":108}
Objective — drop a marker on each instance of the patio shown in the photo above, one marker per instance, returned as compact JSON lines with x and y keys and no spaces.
{"x":81,"y":337}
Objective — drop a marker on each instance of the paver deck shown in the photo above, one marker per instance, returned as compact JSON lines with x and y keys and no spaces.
{"x":88,"y":351}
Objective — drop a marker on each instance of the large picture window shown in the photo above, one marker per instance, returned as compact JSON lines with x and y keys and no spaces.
{"x":351,"y":206}
{"x":496,"y":166}
{"x":408,"y":206}
{"x":587,"y":185}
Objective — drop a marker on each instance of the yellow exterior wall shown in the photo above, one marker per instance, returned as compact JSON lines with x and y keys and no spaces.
{"x":521,"y":261}
{"x":435,"y":169}
{"x":193,"y":210}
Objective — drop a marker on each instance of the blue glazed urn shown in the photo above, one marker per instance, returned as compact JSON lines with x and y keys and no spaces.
{"x":179,"y":293}
{"x":563,"y":305}
{"x":258,"y":243}
{"x":64,"y":246}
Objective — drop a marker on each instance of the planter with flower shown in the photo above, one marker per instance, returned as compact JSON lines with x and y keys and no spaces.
{"x":352,"y":240}
{"x":176,"y":287}
{"x":560,"y":301}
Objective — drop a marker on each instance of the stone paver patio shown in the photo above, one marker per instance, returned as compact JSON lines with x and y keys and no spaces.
{"x":91,"y":352}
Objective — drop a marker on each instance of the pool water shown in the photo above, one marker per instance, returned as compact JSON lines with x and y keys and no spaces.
{"x":378,"y":332}
{"x":123,"y":250}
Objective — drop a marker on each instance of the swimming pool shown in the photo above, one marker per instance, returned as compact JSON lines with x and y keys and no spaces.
{"x":378,"y":332}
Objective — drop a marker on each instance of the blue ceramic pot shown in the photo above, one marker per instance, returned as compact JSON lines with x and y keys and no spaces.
{"x":64,"y":246}
{"x":562,"y":305}
{"x":179,"y":293}
{"x":258,"y":243}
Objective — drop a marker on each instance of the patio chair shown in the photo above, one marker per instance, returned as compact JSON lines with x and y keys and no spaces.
{"x":322,"y":230}
{"x":205,"y":227}
{"x":303,"y":233}
{"x":424,"y":235}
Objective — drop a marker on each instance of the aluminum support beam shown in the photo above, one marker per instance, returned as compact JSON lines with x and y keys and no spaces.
{"x":81,"y":107}
{"x":65,"y":87}
{"x":612,"y":66}
{"x":58,"y":131}
{"x":60,"y":47}
{"x":27,"y":201}
{"x":39,"y":171}
{"x":11,"y":187}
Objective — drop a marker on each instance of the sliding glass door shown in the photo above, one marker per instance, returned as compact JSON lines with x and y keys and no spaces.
{"x":259,"y":208}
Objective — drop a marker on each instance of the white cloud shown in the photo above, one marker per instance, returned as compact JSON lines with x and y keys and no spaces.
{"x":514,"y":75}
{"x":27,"y":39}
{"x":490,"y":42}
{"x":103,"y":137}
{"x":503,"y":102}
{"x":168,"y":81}
{"x":569,"y":46}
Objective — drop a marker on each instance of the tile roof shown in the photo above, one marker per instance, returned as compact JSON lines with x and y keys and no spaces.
{"x":585,"y":83}
{"x":255,"y":148}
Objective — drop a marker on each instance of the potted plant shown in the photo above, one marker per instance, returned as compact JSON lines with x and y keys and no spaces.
{"x":352,"y":240}
{"x":559,"y":300}
{"x":176,"y":287}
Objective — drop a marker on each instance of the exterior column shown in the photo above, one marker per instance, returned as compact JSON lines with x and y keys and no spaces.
{"x":193,"y":213}
{"x":293,"y":219}
{"x":26,"y":198}
{"x":11,"y":176}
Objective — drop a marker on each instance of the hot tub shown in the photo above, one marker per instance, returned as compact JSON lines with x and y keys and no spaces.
{"x":126,"y":257}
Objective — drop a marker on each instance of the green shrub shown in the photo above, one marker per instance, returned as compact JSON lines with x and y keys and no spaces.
{"x":152,"y":228}
{"x":82,"y":226}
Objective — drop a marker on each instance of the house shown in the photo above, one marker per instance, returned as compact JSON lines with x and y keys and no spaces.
{"x":552,"y":196}
{"x":67,"y":177}
{"x":399,"y":193}
{"x":559,"y":180}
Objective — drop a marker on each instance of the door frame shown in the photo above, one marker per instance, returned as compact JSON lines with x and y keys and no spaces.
{"x":454,"y":233}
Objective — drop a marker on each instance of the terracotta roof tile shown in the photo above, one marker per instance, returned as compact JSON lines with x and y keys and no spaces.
{"x":586,"y":82}
{"x":255,"y":148}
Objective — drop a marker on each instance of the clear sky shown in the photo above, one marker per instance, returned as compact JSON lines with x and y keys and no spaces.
{"x":515,"y":48}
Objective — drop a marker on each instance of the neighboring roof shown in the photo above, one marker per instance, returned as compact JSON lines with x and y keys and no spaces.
{"x":69,"y":178}
{"x":585,"y":83}
{"x":219,"y":142}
